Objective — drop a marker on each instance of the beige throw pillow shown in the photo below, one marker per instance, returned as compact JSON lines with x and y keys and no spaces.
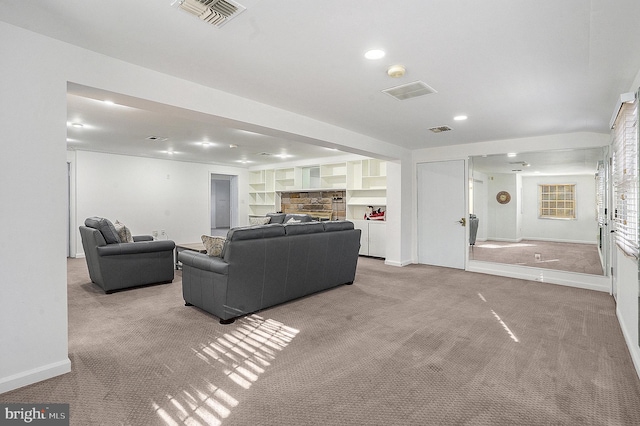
{"x":123,"y":232}
{"x":259,"y":220}
{"x":213,"y":245}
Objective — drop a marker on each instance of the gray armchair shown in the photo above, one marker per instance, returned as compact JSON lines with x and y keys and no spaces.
{"x":115,"y":265}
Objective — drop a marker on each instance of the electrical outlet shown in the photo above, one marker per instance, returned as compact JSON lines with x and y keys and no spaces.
{"x":154,"y":234}
{"x":536,"y":256}
{"x":163,"y":233}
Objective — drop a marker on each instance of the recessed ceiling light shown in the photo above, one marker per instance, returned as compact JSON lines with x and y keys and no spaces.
{"x":79,"y":125}
{"x":233,"y":145}
{"x":460,"y":117}
{"x":374,"y":54}
{"x":206,"y":144}
{"x":109,"y":102}
{"x":284,"y":156}
{"x":511,"y":154}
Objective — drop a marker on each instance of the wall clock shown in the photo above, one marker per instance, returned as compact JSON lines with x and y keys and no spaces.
{"x":503,"y":197}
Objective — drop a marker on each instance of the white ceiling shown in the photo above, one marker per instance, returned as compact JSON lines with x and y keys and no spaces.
{"x":516,"y":68}
{"x":542,"y":163}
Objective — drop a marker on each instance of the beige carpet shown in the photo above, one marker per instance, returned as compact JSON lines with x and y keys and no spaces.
{"x":417,"y":345}
{"x":573,"y":257}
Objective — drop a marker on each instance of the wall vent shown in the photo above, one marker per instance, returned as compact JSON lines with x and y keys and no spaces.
{"x":214,"y":12}
{"x":409,"y":90}
{"x":440,"y":129}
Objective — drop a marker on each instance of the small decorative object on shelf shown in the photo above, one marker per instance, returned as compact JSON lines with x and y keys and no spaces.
{"x":373,"y":214}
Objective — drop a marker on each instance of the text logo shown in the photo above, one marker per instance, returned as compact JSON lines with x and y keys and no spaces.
{"x":34,"y":414}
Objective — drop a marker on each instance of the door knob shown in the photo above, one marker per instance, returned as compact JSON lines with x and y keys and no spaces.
{"x":463,"y":221}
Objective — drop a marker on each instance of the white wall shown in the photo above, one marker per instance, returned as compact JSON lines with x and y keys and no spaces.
{"x":35,"y":72}
{"x":583,"y":229}
{"x":502,"y":219}
{"x":150,"y":194}
{"x":33,"y":293}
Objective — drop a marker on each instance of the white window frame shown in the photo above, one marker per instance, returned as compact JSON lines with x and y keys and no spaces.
{"x":625,"y":178}
{"x":557,"y":201}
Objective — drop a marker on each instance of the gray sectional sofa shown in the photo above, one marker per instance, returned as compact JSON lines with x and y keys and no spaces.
{"x":262,"y":266}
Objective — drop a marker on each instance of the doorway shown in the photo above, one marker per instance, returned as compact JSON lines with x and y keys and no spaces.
{"x":222,"y":203}
{"x":442,"y":214}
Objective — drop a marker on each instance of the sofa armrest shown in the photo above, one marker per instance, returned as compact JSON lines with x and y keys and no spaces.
{"x":203,"y":261}
{"x":137,"y":238}
{"x":138,"y":247}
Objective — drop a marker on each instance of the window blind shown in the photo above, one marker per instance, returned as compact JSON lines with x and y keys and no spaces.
{"x":600,"y":195}
{"x":625,"y":178}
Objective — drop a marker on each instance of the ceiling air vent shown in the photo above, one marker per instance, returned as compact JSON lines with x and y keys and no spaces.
{"x":409,"y":90}
{"x":215,"y":12}
{"x":440,"y":129}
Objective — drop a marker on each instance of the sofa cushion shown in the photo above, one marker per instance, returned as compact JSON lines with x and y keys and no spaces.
{"x":123,"y":232}
{"x":337,"y":225}
{"x":255,"y":232}
{"x":259,"y":220}
{"x":213,"y":245}
{"x":105,"y":227}
{"x":276,"y":217}
{"x":300,"y":228}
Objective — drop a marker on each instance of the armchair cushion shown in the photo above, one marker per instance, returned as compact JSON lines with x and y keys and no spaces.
{"x":105,"y":227}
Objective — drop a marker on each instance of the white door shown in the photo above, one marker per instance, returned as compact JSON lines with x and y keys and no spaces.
{"x":442,"y":238}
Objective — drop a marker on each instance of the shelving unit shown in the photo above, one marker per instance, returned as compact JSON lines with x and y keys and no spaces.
{"x":285,"y":179}
{"x":367,"y":186}
{"x":262,"y":198}
{"x":333,"y":175}
{"x":364,"y":182}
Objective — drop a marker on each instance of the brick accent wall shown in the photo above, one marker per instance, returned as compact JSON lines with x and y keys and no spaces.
{"x":333,"y":202}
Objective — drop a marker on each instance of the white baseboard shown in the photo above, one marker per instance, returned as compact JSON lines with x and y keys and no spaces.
{"x":80,"y":255}
{"x":399,"y":264}
{"x":634,"y":350}
{"x":35,"y":375}
{"x":555,"y":240}
{"x":570,"y":279}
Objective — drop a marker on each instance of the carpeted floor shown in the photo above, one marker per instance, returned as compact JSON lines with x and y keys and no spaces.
{"x":573,"y":257}
{"x":417,"y":345}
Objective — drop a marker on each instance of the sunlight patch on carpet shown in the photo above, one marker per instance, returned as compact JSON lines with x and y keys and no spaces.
{"x":242,"y":354}
{"x":502,"y":323}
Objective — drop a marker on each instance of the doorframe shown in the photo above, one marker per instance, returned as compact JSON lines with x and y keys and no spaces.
{"x":233,"y":197}
{"x":465,"y":161}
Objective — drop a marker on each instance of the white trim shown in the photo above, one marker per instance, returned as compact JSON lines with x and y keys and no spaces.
{"x":569,"y":279}
{"x":399,"y":264}
{"x":554,"y":240}
{"x":634,"y":350}
{"x":35,"y":375}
